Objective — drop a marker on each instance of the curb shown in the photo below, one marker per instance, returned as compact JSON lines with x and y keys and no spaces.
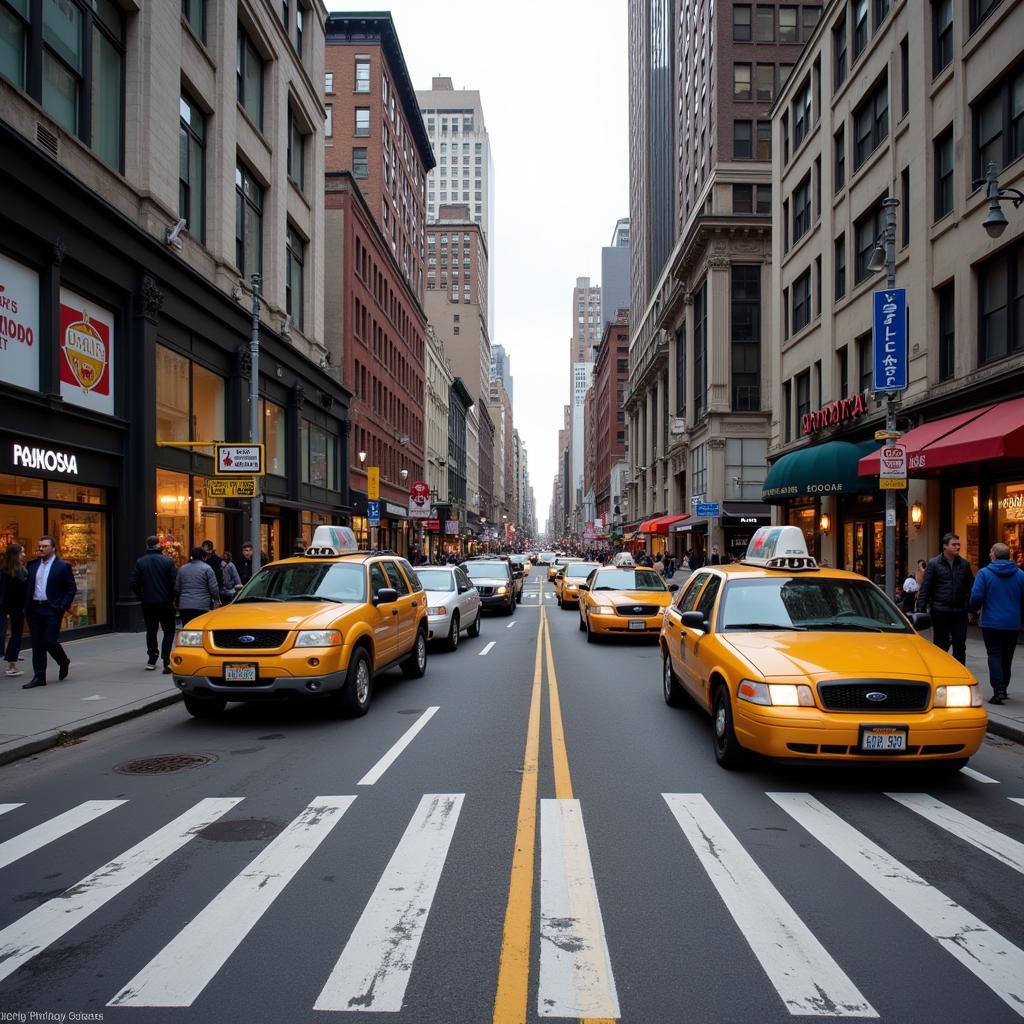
{"x":1008,"y":730}
{"x":37,"y":745}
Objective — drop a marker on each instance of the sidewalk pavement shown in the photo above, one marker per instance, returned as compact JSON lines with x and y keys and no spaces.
{"x":108,"y":684}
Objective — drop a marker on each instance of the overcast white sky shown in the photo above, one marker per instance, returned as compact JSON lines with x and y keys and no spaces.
{"x":553,"y":81}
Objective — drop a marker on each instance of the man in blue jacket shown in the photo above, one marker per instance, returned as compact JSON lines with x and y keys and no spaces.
{"x":999,"y":592}
{"x":49,"y":591}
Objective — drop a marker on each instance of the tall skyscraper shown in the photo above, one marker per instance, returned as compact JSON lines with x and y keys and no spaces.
{"x":501,"y":368}
{"x":586,"y":320}
{"x":464,"y":172}
{"x":615,"y":274}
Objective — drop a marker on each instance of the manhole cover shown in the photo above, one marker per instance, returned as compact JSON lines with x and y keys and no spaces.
{"x":241,"y":831}
{"x":163,"y":764}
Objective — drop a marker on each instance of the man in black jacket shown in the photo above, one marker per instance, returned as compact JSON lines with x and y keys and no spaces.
{"x":213,"y":560}
{"x":945,"y":593}
{"x":152,"y":581}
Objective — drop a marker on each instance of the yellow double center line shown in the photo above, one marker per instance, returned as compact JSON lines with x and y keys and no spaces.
{"x":510,"y":1001}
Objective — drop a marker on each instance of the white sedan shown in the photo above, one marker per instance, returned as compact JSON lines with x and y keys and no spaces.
{"x":453,"y":603}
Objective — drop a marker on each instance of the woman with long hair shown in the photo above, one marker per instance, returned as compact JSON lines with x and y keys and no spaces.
{"x":13,"y":580}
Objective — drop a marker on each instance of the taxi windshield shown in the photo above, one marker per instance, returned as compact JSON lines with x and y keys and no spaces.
{"x":807,"y":603}
{"x":580,"y":570}
{"x":436,"y":579}
{"x":327,"y":581}
{"x":486,"y":570}
{"x":628,"y":579}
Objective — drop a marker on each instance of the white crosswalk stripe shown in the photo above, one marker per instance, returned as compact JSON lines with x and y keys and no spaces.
{"x":978,"y":777}
{"x":1009,"y":851}
{"x":4,"y":808}
{"x":180,"y":972}
{"x":22,"y":940}
{"x":35,"y":838}
{"x":575,"y":969}
{"x":373,"y":970}
{"x":1018,"y":800}
{"x":983,"y":951}
{"x":806,"y":977}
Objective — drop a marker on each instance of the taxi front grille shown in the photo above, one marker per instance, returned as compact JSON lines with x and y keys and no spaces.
{"x":485,"y":591}
{"x":637,"y":609}
{"x":884,"y":696}
{"x":249,"y":639}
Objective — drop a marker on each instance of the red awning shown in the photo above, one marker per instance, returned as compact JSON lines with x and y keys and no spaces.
{"x":922,"y":440}
{"x":661,"y":524}
{"x":998,"y":433}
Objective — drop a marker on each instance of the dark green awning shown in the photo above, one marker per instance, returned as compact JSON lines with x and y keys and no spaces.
{"x":827,"y":468}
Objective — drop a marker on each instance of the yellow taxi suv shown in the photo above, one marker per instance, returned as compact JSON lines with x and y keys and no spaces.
{"x":801,"y":663}
{"x":567,"y":582}
{"x":316,"y":627}
{"x":623,"y":601}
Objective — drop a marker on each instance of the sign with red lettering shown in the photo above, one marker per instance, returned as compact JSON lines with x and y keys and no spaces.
{"x":19,"y":324}
{"x":419,"y":500}
{"x":834,"y":413}
{"x":892,"y":463}
{"x":86,"y":353}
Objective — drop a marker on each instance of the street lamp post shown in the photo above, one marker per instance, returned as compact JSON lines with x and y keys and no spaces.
{"x":254,"y":415}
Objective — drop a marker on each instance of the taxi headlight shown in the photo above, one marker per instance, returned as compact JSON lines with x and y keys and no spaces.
{"x":437,"y":610}
{"x":960,"y":696}
{"x":318,"y":638}
{"x":190,"y":638}
{"x":502,"y":590}
{"x":782,"y":695}
{"x":603,"y":609}
{"x":570,"y":586}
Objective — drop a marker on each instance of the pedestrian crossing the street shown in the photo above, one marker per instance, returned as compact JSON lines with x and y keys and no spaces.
{"x":575,"y":975}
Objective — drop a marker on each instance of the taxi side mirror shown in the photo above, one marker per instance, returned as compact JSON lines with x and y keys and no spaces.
{"x":694,"y":620}
{"x":673,"y":587}
{"x":920,"y":621}
{"x":386,"y":595}
{"x":583,"y":586}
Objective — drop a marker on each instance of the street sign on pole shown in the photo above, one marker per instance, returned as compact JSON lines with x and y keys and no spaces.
{"x":892,"y":473}
{"x":373,"y":512}
{"x":889,"y":337}
{"x":373,"y":483}
{"x":419,"y":500}
{"x":242,"y":487}
{"x":708,"y":509}
{"x":239,"y":460}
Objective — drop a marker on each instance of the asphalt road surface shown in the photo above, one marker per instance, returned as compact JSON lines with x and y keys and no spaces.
{"x":527,"y":833}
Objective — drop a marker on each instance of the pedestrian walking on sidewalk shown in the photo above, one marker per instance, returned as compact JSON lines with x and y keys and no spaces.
{"x":232,"y":581}
{"x":999,"y":592}
{"x":945,"y":593}
{"x":152,"y":581}
{"x":213,"y":560}
{"x":195,"y":587}
{"x":13,"y":582}
{"x":49,"y":590}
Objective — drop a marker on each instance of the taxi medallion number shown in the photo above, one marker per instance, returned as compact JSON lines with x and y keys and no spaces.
{"x":883,"y":739}
{"x":239,"y":672}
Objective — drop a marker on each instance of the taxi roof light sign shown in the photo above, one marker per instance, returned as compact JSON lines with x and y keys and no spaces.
{"x":329,"y":541}
{"x":779,"y":547}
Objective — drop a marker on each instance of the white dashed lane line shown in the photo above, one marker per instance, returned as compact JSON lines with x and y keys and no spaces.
{"x":510,"y":625}
{"x":977,"y":776}
{"x":487,"y":649}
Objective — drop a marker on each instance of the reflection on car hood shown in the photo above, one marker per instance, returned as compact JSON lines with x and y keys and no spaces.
{"x":435,"y":597}
{"x":271,"y":615}
{"x":489,"y":581}
{"x":818,"y":655}
{"x":662,"y":597}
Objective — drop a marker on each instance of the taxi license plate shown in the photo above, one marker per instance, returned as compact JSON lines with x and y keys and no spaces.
{"x":637,"y":624}
{"x":240,"y":672}
{"x":883,"y":739}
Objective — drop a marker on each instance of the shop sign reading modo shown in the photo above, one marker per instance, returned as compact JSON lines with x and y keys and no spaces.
{"x":19,"y":324}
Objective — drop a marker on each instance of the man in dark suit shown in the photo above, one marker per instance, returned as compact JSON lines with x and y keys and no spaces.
{"x":48,"y":595}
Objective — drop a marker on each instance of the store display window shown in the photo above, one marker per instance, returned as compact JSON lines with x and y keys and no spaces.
{"x":183,"y":518}
{"x":206,"y":524}
{"x":965,"y":523}
{"x":273,"y":418}
{"x":806,"y":517}
{"x":1009,"y":512}
{"x":189,"y":399}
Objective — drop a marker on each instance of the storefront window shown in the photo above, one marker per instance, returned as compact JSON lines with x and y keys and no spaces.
{"x":81,"y":540}
{"x":20,"y":486}
{"x":77,"y":494}
{"x":206,"y":525}
{"x":1009,"y":509}
{"x":20,"y":524}
{"x":207,"y":405}
{"x":171,"y":396}
{"x":806,"y":517}
{"x":272,"y":417}
{"x":965,"y":523}
{"x":319,"y":456}
{"x":172,"y":516}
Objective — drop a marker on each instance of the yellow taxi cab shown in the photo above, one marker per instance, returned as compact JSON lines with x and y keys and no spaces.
{"x":556,"y":566}
{"x":567,"y":582}
{"x":798,"y":662}
{"x":317,"y":626}
{"x":616,"y":601}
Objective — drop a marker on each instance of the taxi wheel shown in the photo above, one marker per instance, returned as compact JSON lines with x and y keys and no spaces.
{"x":474,"y":630}
{"x":728,"y":751}
{"x":675,"y":695}
{"x":353,"y":699}
{"x":453,"y":633}
{"x":592,"y":637}
{"x":204,"y":707}
{"x":415,"y":666}
{"x":583,"y":625}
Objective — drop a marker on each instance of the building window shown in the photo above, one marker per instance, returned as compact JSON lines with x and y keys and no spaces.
{"x":803,"y":395}
{"x":249,"y":74}
{"x":802,"y":113}
{"x":944,"y":174}
{"x":881,"y":10}
{"x":904,"y":76}
{"x":789,"y":30}
{"x":362,"y":121}
{"x":981,"y":9}
{"x":785,"y":312}
{"x":802,"y":301}
{"x":743,"y":199}
{"x":273,"y":433}
{"x":785,"y":138}
{"x":741,"y":81}
{"x":763,"y":199}
{"x":746,"y":337}
{"x":329,"y":82}
{"x":742,"y":144}
{"x":839,"y":163}
{"x":860,"y":27}
{"x":192,"y":168}
{"x":294,"y":292}
{"x":319,"y":451}
{"x":1001,"y":305}
{"x":764,"y":24}
{"x":680,"y":371}
{"x":839,"y":264}
{"x":801,"y":209}
{"x":843,"y":358}
{"x":865,"y":363}
{"x":194,"y":12}
{"x":947,"y":332}
{"x":999,"y":124}
{"x":329,"y":121}
{"x":362,"y":76}
{"x":817,"y":187}
{"x":904,"y":207}
{"x":360,"y":162}
{"x":764,"y":83}
{"x":299,"y":27}
{"x":942,"y":35}
{"x":839,"y":68}
{"x":248,"y":223}
{"x":787,"y":403}
{"x":700,"y":351}
{"x":867,"y":231}
{"x":189,"y":399}
{"x":809,"y":18}
{"x":746,"y":464}
{"x":871,"y":122}
{"x":741,"y":26}
{"x":764,"y":141}
{"x":699,"y":470}
{"x":785,"y":225}
{"x":296,"y":151}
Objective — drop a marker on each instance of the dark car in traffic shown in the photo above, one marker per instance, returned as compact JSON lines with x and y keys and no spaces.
{"x":495,"y":582}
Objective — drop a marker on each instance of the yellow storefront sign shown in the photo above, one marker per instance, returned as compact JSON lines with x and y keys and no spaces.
{"x":373,"y":483}
{"x":236,"y":487}
{"x":895,"y":484}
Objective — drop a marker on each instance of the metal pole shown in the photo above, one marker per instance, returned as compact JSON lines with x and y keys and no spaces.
{"x":254,"y":415}
{"x":891,"y":204}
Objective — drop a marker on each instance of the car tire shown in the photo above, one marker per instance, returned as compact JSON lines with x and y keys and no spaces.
{"x":672,"y":689}
{"x":511,"y":607}
{"x":452,"y":642}
{"x":353,"y":699}
{"x":415,"y":666}
{"x":583,"y":625}
{"x":205,"y":707}
{"x":592,"y":637}
{"x":474,"y":630}
{"x":728,"y":752}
